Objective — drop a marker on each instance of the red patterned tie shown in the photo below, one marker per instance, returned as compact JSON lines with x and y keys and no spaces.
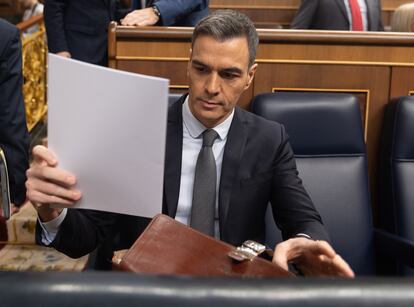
{"x":356,"y":16}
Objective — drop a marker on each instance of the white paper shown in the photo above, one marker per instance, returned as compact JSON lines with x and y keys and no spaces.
{"x":108,"y":128}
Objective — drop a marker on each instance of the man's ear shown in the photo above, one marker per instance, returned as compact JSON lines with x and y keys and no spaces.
{"x":251,"y":73}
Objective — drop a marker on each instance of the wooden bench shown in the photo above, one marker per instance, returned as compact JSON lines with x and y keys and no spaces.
{"x":275,"y":13}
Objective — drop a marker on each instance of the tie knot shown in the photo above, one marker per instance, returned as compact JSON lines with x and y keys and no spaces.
{"x":209,"y":136}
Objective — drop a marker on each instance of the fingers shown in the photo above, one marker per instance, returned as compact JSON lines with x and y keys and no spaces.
{"x":51,"y":174}
{"x":47,"y":184}
{"x":287,"y":251}
{"x":342,"y":268}
{"x":43,"y":154}
{"x":64,"y":54}
{"x":315,"y":258}
{"x":40,"y":199}
{"x":321,"y":247}
{"x":47,"y":189}
{"x":144,"y":17}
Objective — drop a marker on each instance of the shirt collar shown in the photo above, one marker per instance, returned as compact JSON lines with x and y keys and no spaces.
{"x":196,"y":128}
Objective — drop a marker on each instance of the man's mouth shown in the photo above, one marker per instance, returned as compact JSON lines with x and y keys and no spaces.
{"x":209,"y":103}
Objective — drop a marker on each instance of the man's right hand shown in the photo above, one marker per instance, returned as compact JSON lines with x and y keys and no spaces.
{"x":47,"y":184}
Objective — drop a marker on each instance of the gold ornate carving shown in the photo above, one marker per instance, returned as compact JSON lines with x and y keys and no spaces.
{"x":34,"y":53}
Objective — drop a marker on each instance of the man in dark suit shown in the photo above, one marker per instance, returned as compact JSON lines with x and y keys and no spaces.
{"x":357,"y":15}
{"x":14,"y":138}
{"x":213,"y":149}
{"x":78,"y":28}
{"x":186,"y":13}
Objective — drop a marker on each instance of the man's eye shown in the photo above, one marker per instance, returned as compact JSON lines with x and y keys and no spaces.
{"x":200,"y":68}
{"x":228,"y":75}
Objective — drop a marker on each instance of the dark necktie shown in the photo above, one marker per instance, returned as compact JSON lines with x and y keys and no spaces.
{"x":204,"y":191}
{"x":357,"y":24}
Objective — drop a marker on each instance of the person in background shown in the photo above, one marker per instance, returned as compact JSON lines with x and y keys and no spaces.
{"x":32,"y":8}
{"x":403,"y":18}
{"x":14,"y":137}
{"x":78,"y":29}
{"x":166,"y":12}
{"x":352,"y":15}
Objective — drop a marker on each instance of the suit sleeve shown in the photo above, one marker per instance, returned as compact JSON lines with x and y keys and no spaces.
{"x":81,"y":232}
{"x":173,"y":10}
{"x":380,"y":24}
{"x":14,"y":139}
{"x":305,"y":15}
{"x":292,"y":207}
{"x":54,"y":13}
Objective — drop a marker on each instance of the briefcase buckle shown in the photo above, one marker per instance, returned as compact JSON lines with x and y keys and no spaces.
{"x":247,"y":251}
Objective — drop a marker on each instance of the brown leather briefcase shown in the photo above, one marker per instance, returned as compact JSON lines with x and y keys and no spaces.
{"x":167,"y":247}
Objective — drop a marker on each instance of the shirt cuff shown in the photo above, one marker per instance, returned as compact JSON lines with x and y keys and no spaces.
{"x":303,"y":235}
{"x":51,"y":228}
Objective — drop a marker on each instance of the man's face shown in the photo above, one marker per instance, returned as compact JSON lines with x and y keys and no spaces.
{"x":218,"y":74}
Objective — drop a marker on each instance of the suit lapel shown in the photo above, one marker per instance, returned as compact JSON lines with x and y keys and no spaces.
{"x":236,"y":140}
{"x":174,"y":146}
{"x":342,"y":8}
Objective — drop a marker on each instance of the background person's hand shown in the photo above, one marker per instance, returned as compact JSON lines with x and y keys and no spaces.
{"x":313,"y":258}
{"x":47,"y":184}
{"x":144,"y":17}
{"x":64,"y":54}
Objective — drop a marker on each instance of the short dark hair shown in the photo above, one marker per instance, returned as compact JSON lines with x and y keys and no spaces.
{"x":227,"y":24}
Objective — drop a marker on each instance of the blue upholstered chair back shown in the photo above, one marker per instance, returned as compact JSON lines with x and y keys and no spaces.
{"x":326,"y":135}
{"x":397,"y":170}
{"x":173,"y":97}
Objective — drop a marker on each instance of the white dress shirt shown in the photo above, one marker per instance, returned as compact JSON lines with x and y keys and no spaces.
{"x":192,"y":143}
{"x":364,"y":13}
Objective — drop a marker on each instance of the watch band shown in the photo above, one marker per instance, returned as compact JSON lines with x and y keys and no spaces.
{"x":156,"y":11}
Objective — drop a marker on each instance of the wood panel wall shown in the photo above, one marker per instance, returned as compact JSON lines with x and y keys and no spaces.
{"x":280,"y":13}
{"x":376,"y":67}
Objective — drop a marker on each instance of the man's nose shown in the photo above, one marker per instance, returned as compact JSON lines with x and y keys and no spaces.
{"x":213,"y":84}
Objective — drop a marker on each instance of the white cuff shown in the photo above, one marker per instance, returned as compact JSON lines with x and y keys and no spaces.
{"x":304,"y":235}
{"x":51,"y":228}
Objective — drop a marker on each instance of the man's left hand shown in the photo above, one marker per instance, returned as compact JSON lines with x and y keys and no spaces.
{"x":144,"y":17}
{"x":313,"y":258}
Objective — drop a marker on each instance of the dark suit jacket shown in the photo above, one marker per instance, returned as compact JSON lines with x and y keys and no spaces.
{"x":185,"y":13}
{"x":14,"y":138}
{"x":331,"y":15}
{"x":80,"y":26}
{"x":258,"y":167}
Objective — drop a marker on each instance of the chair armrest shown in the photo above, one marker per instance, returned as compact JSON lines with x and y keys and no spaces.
{"x":394,"y":246}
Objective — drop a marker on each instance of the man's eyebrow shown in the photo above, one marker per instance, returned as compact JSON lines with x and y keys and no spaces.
{"x":232,"y":70}
{"x":196,"y":62}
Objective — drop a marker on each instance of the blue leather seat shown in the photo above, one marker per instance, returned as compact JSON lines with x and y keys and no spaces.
{"x":326,"y":135}
{"x":173,"y":97}
{"x":397,"y":170}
